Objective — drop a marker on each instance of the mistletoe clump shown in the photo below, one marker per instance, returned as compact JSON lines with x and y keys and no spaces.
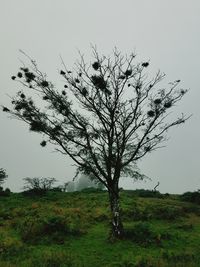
{"x":99,"y":82}
{"x":96,"y":65}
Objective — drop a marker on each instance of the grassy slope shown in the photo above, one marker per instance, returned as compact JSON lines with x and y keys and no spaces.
{"x":71,"y":229}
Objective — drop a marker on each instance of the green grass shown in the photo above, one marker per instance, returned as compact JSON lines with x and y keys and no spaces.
{"x":72,"y":229}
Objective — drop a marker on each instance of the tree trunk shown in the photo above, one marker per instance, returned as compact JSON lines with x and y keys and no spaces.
{"x":117,"y":230}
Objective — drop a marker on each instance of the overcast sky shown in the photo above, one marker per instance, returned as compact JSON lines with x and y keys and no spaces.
{"x":166,"y":32}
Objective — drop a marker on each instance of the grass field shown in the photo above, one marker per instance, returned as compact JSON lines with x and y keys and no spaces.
{"x":72,"y":229}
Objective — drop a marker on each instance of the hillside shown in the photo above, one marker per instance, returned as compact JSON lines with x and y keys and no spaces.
{"x":71,"y":229}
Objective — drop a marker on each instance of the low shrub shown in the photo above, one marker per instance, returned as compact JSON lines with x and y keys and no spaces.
{"x":30,"y":229}
{"x":54,"y":228}
{"x":159,"y":211}
{"x":140,"y":261}
{"x":122,"y":263}
{"x":56,"y":223}
{"x":141,"y":233}
{"x":54,"y":258}
{"x":145,"y":262}
{"x":10,"y":246}
{"x":166,"y":212}
{"x":178,"y":257}
{"x":6,"y":214}
{"x":136,"y":213}
{"x":192,"y":208}
{"x":100,"y":215}
{"x":184,"y":226}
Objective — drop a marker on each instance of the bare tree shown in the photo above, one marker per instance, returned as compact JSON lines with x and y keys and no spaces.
{"x":121,"y":116}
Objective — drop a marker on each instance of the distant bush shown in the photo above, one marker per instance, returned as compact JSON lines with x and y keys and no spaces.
{"x":91,"y":190}
{"x":57,"y":189}
{"x":37,"y":186}
{"x":5,"y":193}
{"x":145,"y":193}
{"x":34,"y":192}
{"x":193,"y":197}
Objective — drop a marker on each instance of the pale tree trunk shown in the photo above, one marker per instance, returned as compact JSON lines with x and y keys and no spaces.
{"x":117,"y":230}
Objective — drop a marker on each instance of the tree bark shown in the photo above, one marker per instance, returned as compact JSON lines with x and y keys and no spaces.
{"x":117,"y":230}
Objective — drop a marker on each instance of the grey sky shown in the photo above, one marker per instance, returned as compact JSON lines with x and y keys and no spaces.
{"x":166,"y":32}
